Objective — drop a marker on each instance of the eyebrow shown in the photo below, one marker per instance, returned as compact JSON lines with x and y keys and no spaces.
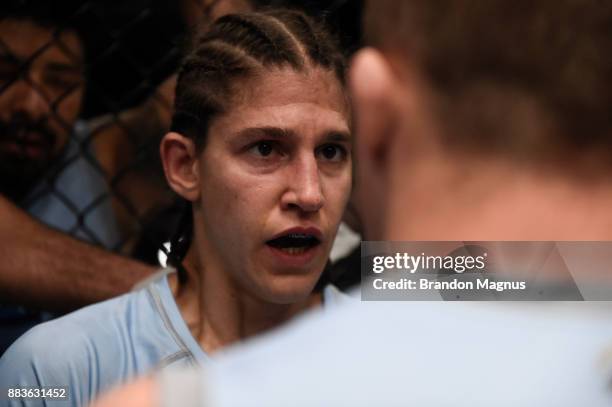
{"x":56,"y":67}
{"x":280,"y":133}
{"x":59,"y":67}
{"x":340,"y":136}
{"x":272,"y":132}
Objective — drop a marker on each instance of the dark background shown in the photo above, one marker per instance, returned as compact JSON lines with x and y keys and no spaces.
{"x":133,"y":45}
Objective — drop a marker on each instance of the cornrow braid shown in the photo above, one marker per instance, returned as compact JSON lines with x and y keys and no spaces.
{"x":266,"y":41}
{"x":238,"y":46}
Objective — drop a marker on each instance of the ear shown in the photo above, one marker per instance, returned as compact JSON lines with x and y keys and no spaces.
{"x":180,"y":161}
{"x":372,"y":85}
{"x":376,"y":124}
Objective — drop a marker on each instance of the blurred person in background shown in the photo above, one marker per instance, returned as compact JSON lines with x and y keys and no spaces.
{"x":261,"y":153}
{"x":47,"y":185}
{"x":476,"y":120}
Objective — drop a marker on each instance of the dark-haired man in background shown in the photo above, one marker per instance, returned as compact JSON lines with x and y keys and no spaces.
{"x":47,"y":176}
{"x":476,"y":120}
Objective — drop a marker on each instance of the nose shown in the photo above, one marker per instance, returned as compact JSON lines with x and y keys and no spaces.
{"x":28,"y":100}
{"x":304,"y":190}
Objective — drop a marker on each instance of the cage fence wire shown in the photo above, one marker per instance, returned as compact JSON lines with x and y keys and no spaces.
{"x":86,"y":91}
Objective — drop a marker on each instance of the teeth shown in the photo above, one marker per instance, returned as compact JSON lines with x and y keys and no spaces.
{"x":294,"y":250}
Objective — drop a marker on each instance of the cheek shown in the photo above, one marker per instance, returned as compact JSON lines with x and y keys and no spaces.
{"x":70,"y":107}
{"x":235,"y":218}
{"x":237,"y":203}
{"x":67,"y":113}
{"x":223,"y":220}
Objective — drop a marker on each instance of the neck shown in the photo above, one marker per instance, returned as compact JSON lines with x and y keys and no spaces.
{"x":463,"y":200}
{"x":219,"y":312}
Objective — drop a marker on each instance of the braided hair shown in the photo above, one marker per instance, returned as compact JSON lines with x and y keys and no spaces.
{"x":239,"y":46}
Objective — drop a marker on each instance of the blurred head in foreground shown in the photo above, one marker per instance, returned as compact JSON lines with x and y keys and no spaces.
{"x":485,"y":120}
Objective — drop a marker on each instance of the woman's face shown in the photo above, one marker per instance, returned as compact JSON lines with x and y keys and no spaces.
{"x":275,"y":176}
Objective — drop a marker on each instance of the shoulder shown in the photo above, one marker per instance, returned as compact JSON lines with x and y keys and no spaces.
{"x":90,"y":349}
{"x":67,"y":343}
{"x":49,"y":355}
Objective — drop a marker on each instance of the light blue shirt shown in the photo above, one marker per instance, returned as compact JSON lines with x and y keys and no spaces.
{"x":417,"y":354}
{"x":108,"y":343}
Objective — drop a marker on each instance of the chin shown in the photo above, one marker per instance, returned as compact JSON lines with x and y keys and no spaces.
{"x":288,"y":289}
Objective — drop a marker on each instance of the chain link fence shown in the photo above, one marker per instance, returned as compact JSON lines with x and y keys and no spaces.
{"x":86,"y":91}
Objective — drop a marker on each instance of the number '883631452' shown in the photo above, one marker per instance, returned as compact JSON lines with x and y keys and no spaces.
{"x":52,"y":393}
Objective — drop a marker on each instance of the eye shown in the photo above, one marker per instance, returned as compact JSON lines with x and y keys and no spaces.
{"x":263,"y":148}
{"x":61,"y":82}
{"x":332,"y":152}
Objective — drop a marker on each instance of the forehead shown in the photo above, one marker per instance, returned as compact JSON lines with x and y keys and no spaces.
{"x":284,"y":86}
{"x":286,"y":98}
{"x":24,"y":38}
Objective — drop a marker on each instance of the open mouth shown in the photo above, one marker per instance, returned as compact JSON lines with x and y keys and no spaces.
{"x":294,"y":243}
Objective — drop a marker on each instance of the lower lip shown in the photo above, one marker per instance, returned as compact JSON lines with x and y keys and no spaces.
{"x":298,"y":260}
